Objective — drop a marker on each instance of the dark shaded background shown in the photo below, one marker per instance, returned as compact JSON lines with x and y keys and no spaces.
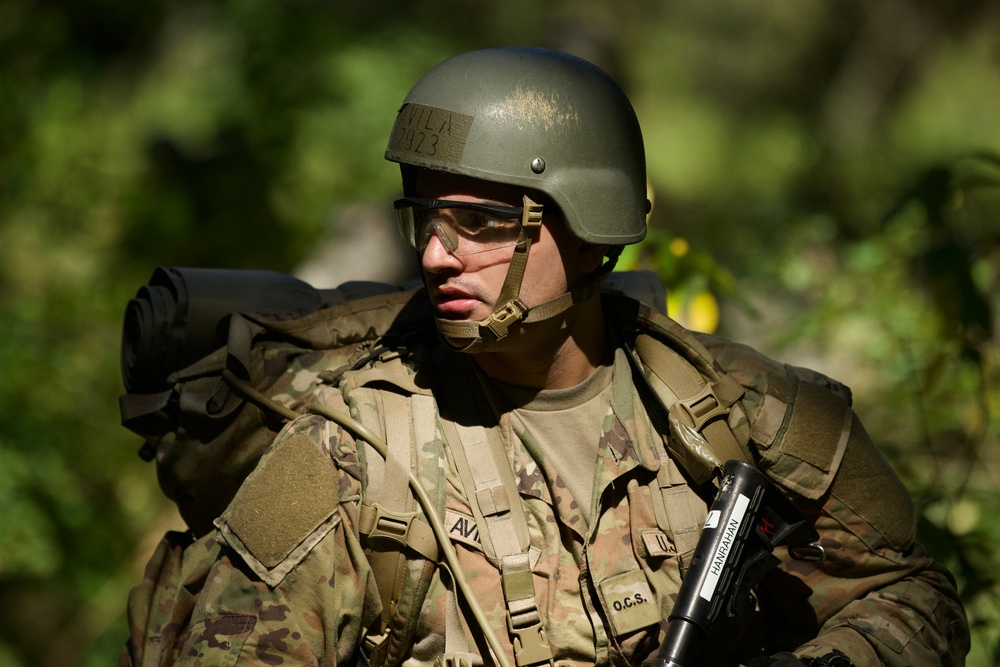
{"x":827,"y":188}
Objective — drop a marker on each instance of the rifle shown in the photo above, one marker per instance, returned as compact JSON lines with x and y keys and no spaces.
{"x":747,"y":520}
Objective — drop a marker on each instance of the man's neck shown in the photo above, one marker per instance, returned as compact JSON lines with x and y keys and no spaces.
{"x":552,"y":355}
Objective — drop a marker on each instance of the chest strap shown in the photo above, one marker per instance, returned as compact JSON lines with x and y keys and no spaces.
{"x":488,"y":479}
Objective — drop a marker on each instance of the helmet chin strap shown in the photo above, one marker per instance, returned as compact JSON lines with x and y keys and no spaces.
{"x":473,"y":337}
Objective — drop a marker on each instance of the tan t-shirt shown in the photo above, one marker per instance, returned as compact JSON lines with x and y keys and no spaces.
{"x":561,"y":429}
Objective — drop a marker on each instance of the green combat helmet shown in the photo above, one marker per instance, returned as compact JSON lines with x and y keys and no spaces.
{"x":544,"y":120}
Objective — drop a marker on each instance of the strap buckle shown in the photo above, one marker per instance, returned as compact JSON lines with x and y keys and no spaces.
{"x":703,"y":408}
{"x":390,"y":525}
{"x":510,"y":313}
{"x":531,"y":647}
{"x":813,"y":552}
{"x":377,"y":647}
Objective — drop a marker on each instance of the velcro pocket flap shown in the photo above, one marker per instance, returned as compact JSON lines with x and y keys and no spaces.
{"x":285,"y":507}
{"x":813,"y":443}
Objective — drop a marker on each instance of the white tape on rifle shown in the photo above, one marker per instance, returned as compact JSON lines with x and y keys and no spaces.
{"x":731,"y":530}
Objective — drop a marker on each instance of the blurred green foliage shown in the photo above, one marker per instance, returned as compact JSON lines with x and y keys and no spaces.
{"x":827,"y":172}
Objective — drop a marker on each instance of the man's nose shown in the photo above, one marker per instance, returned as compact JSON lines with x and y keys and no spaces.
{"x":436,"y":257}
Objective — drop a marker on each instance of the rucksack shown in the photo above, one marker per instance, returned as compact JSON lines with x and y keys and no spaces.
{"x":285,"y":338}
{"x":207,"y":434}
{"x":187,"y":327}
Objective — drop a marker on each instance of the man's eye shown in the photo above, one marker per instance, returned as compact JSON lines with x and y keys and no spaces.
{"x":488,"y":222}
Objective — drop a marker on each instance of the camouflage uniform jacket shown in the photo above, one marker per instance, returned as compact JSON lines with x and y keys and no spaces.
{"x":286,"y":580}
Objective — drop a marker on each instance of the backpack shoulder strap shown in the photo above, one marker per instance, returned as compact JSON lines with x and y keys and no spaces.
{"x":399,"y":544}
{"x":695,"y":407}
{"x":777,"y":416}
{"x":692,"y":402}
{"x":701,"y":406}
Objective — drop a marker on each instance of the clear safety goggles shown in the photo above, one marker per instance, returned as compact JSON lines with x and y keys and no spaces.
{"x":465,"y":228}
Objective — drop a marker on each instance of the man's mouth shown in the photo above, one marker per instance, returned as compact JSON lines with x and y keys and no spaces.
{"x":453,"y":302}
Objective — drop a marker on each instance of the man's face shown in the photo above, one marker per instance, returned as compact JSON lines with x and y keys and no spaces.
{"x":466,"y":287}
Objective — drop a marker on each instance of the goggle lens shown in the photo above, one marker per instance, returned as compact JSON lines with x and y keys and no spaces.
{"x":464,"y":228}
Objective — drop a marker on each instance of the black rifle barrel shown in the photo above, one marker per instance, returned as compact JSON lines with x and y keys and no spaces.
{"x":747,"y":520}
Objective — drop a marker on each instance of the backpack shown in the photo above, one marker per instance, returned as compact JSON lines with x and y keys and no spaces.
{"x":187,"y":327}
{"x":206,"y":428}
{"x":204,"y":437}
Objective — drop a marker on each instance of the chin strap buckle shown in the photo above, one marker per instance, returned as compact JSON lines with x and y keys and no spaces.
{"x":505,"y":317}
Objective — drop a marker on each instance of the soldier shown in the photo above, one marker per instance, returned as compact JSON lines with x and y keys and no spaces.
{"x":572,"y":503}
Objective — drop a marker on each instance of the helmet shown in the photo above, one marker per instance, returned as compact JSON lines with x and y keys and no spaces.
{"x":535,"y":118}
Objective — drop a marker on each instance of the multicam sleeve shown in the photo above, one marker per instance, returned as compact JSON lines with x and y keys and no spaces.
{"x":291,"y":584}
{"x":875,"y":594}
